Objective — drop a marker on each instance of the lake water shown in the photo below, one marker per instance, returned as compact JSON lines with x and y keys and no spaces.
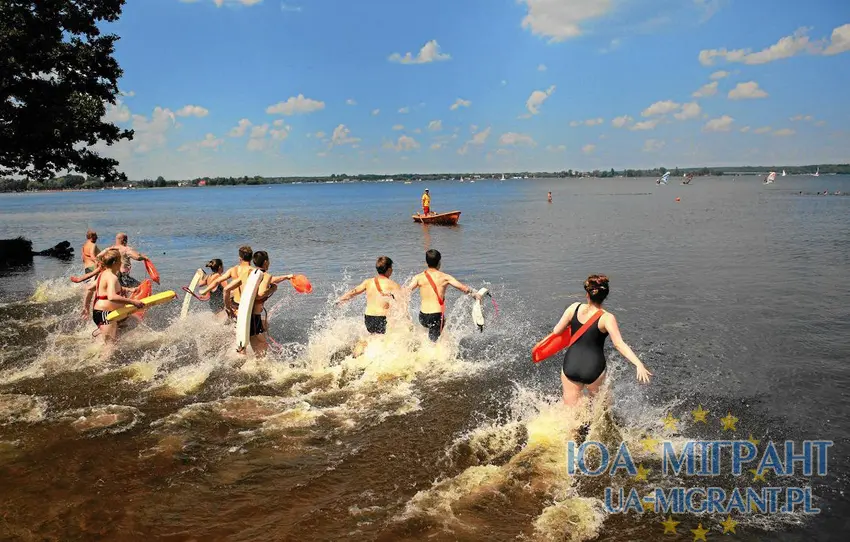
{"x":736,"y":297}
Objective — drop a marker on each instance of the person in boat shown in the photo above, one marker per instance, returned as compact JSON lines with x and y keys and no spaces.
{"x":127,"y":255}
{"x":379,"y":293}
{"x":216,"y":302}
{"x":426,"y":203}
{"x":549,"y":197}
{"x":108,"y":294}
{"x":432,"y":285}
{"x":90,"y":252}
{"x":584,"y":362}
{"x":238,"y":272}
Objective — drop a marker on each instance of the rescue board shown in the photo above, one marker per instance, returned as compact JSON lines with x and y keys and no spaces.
{"x":151,"y":301}
{"x":187,"y":299}
{"x":246,"y":308}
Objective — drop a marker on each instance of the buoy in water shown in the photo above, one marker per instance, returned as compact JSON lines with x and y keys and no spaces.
{"x":678,"y":199}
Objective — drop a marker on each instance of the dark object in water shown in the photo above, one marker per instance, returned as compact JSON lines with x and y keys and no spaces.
{"x":19,"y":252}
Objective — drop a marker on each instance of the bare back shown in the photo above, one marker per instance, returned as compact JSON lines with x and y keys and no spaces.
{"x":430,"y":300}
{"x":240,"y":272}
{"x":107,"y":284}
{"x":378,"y":302}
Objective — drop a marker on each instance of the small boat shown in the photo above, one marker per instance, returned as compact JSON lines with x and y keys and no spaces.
{"x":440,"y":219}
{"x":770,"y":178}
{"x":503,"y":177}
{"x":816,"y":173}
{"x":663,"y":179}
{"x":783,"y":172}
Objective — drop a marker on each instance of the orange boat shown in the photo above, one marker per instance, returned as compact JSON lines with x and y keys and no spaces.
{"x":440,"y":219}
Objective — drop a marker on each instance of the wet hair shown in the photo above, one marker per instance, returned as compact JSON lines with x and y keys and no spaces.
{"x":433,"y":257}
{"x":91,"y":234}
{"x":596,"y":287}
{"x":121,"y":238}
{"x":384,"y":264}
{"x":245,"y":253}
{"x":108,"y":258}
{"x":216,"y":265}
{"x":260,"y":257}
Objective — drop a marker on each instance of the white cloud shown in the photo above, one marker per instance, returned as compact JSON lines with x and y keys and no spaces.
{"x":342,"y":136}
{"x":588,"y":122}
{"x":653,"y":145}
{"x":240,"y":129}
{"x":747,"y":91}
{"x":720,"y":124}
{"x":559,"y":20}
{"x":192,"y":111}
{"x":589,"y":148}
{"x":436,"y":146}
{"x":320,"y":134}
{"x":256,"y":144}
{"x":435,"y":125}
{"x":295,"y":105}
{"x":802,"y":117}
{"x":430,"y":52}
{"x":478,"y":139}
{"x":709,"y":89}
{"x":150,"y":133}
{"x":220,"y":3}
{"x":762,"y":130}
{"x":784,"y":132}
{"x":398,"y":127}
{"x":209,"y":142}
{"x":515,"y":139}
{"x":259,"y":131}
{"x":350,"y":101}
{"x":404,"y":110}
{"x":660,"y":108}
{"x":719,"y":75}
{"x":558,"y":148}
{"x":129,"y":93}
{"x":745,"y":129}
{"x":541,"y":67}
{"x":839,"y":41}
{"x":460,"y":102}
{"x":535,"y":101}
{"x":117,"y":114}
{"x":376,"y":112}
{"x":280,"y":134}
{"x":785,"y":48}
{"x":404,"y":143}
{"x":645,"y":125}
{"x":620,"y":122}
{"x":690,"y":110}
{"x":707,"y":8}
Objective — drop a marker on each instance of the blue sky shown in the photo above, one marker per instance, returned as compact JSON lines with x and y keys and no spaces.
{"x":313,"y":87}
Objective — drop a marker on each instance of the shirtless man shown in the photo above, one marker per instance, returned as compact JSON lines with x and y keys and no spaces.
{"x":90,"y":252}
{"x":268,"y":286}
{"x":237,"y":272}
{"x":432,"y":285}
{"x":127,"y":254}
{"x":379,"y":291}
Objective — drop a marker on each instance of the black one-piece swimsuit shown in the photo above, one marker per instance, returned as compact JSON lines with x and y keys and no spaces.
{"x":584,"y":361}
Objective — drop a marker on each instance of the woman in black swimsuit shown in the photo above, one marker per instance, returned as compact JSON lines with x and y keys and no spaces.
{"x":584,"y":362}
{"x":217,"y":294}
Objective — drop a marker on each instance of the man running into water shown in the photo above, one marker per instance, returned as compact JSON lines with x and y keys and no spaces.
{"x":379,"y":292}
{"x":237,"y":272}
{"x":426,"y":203}
{"x":127,"y":255}
{"x":432,"y":285}
{"x":90,"y":252}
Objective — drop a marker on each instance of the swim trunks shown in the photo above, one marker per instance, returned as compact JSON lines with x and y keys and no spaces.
{"x":426,"y":210}
{"x":257,"y":324}
{"x":584,"y":361}
{"x":376,"y":324}
{"x":99,"y":317}
{"x":434,"y":322}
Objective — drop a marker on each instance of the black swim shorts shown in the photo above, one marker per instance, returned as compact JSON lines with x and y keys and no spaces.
{"x":376,"y":324}
{"x":434,"y":322}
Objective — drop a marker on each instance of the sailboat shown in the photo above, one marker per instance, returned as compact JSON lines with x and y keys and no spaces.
{"x":783,"y":172}
{"x":461,"y":178}
{"x":816,"y":173}
{"x":770,"y":178}
{"x":663,"y":179}
{"x":688,"y":177}
{"x":503,"y":177}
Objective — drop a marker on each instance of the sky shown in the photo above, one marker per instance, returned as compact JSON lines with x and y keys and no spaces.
{"x":315,"y":87}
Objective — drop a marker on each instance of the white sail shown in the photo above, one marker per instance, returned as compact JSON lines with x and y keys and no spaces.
{"x":783,"y":172}
{"x":770,"y":178}
{"x":664,"y":178}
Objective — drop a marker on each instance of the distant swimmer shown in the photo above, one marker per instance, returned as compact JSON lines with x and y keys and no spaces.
{"x":584,"y":362}
{"x":216,"y":301}
{"x":90,"y":252}
{"x":379,"y":293}
{"x":108,"y":294}
{"x":127,"y":255}
{"x":237,"y":272}
{"x":426,"y":203}
{"x":432,"y":285}
{"x":549,"y":197}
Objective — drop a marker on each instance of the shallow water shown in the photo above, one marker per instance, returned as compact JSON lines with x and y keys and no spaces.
{"x":735,"y":297}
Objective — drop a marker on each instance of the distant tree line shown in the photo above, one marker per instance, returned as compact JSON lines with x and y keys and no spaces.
{"x":81,"y":182}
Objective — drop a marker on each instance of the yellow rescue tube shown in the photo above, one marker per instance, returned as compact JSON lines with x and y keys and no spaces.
{"x":151,"y":301}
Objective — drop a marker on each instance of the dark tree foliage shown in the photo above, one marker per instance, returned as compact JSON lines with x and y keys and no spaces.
{"x":57,"y":74}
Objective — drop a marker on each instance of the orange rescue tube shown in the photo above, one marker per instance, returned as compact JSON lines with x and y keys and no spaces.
{"x":551,"y":345}
{"x":152,"y":272}
{"x":143,"y":290}
{"x":301,"y":284}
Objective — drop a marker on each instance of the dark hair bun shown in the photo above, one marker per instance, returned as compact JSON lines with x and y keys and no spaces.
{"x":597,"y":288}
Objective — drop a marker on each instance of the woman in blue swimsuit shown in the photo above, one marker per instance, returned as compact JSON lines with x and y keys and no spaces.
{"x":584,"y":362}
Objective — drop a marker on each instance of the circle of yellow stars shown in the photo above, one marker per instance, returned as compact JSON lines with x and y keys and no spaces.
{"x":650,"y":444}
